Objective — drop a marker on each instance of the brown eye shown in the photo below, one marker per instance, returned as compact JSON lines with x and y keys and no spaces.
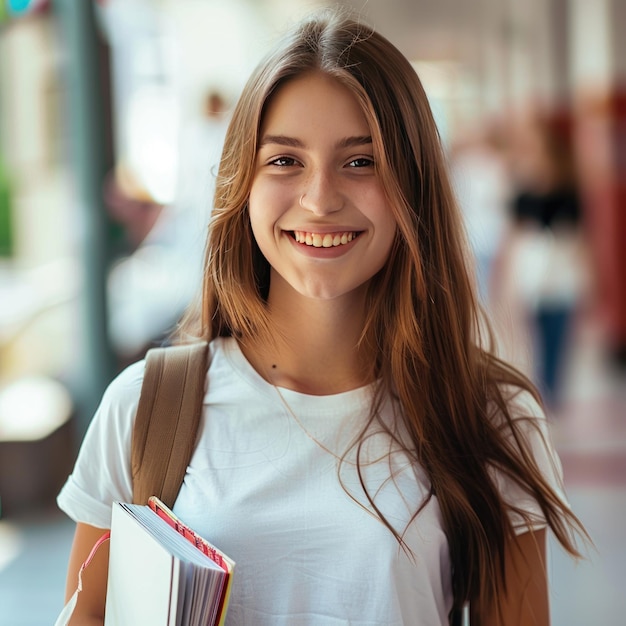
{"x":361,"y":162}
{"x":283,"y":162}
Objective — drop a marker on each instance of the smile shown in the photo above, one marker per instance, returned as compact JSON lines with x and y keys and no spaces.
{"x":324,"y":240}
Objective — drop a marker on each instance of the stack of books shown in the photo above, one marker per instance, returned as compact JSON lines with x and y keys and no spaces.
{"x":162,"y":572}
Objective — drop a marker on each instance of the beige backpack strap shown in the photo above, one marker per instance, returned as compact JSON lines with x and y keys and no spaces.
{"x":168,"y":415}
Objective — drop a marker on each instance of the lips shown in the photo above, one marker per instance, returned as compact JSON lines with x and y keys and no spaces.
{"x":324,"y":240}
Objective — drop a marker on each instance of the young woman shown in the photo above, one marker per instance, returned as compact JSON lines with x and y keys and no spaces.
{"x":362,"y":457}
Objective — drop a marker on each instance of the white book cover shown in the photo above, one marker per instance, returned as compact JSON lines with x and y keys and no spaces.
{"x":143,"y":575}
{"x":161,"y":573}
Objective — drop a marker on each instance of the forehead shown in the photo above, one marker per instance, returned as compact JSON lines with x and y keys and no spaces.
{"x":314,"y":102}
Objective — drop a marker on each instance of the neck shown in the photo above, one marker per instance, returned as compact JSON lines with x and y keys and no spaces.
{"x":316,"y":350}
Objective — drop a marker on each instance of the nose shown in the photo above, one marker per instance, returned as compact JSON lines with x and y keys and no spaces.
{"x":321,"y":193}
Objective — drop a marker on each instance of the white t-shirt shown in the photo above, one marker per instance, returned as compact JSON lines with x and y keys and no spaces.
{"x":265,"y":491}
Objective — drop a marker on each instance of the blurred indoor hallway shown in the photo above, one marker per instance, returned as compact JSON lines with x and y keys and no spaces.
{"x":590,"y":434}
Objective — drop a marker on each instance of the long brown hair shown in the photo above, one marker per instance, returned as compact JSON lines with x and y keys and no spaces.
{"x":423,"y":321}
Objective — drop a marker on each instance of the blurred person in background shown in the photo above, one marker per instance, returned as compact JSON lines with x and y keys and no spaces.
{"x":481,"y":177}
{"x":545,"y":258}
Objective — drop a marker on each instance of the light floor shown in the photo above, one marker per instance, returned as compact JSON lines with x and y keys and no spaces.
{"x":590,"y":434}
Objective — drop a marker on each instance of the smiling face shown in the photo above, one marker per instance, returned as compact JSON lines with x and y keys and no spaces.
{"x":317,"y":207}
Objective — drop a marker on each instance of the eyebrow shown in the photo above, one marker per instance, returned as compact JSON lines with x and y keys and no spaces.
{"x":294,"y":142}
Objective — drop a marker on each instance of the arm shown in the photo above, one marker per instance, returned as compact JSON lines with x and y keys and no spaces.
{"x":526,"y":600}
{"x":89,"y":609}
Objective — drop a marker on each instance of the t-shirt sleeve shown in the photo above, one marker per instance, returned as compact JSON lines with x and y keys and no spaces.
{"x":102,"y":472}
{"x":534,"y":428}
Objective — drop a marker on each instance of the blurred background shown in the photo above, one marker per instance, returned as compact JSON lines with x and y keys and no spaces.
{"x":112,"y":115}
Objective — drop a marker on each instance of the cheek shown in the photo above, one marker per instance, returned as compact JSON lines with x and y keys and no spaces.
{"x":262,"y":222}
{"x":389,"y":232}
{"x":256,"y":227}
{"x":386,"y":222}
{"x":266,"y":203}
{"x":258,"y":211}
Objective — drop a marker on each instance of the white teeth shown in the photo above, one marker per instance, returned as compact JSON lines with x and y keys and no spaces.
{"x":328,"y":240}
